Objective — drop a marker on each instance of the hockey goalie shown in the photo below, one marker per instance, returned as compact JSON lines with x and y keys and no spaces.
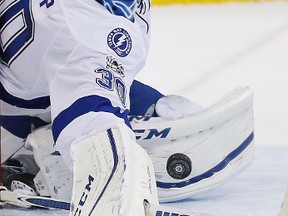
{"x":96,"y":138}
{"x":193,"y":149}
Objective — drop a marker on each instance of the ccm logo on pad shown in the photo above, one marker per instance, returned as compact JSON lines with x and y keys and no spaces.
{"x":84,"y":196}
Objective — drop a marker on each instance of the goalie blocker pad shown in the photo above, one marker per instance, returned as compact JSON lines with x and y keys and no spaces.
{"x":198,"y":152}
{"x":113,"y":175}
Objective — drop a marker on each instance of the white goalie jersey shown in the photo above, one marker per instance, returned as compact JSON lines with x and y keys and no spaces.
{"x":58,"y":51}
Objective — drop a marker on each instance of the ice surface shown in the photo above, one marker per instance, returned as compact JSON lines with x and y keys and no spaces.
{"x":258,"y":191}
{"x":204,"y":51}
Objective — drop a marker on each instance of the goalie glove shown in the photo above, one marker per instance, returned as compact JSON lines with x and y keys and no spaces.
{"x":173,"y":107}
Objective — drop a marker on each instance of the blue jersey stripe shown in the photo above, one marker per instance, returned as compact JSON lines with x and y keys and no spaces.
{"x":92,"y":103}
{"x":36,"y":103}
{"x":21,"y":126}
{"x":220,"y":166}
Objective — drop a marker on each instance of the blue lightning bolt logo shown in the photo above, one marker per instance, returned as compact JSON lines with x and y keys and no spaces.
{"x":120,"y":42}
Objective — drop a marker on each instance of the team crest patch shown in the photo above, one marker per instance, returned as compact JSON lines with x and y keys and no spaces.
{"x":120,"y":41}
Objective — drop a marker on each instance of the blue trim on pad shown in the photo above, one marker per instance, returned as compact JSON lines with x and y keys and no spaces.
{"x":92,"y":103}
{"x":220,"y":166}
{"x":115,"y":159}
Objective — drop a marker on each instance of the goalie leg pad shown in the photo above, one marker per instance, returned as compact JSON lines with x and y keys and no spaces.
{"x":112,"y":175}
{"x":54,"y":178}
{"x":200,"y":151}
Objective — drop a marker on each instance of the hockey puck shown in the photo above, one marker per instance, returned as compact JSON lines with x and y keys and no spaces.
{"x":179,"y":166}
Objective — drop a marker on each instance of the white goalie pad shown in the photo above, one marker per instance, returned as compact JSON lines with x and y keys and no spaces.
{"x":196,"y":153}
{"x":113,"y":175}
{"x":54,"y":178}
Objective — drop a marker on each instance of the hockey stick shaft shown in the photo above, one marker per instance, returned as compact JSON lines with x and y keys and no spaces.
{"x":28,"y":201}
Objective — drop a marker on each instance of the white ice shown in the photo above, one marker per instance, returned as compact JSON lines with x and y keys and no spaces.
{"x":204,"y":51}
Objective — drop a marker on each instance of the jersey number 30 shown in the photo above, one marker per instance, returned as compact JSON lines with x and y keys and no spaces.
{"x":109,"y":82}
{"x":17,"y":28}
